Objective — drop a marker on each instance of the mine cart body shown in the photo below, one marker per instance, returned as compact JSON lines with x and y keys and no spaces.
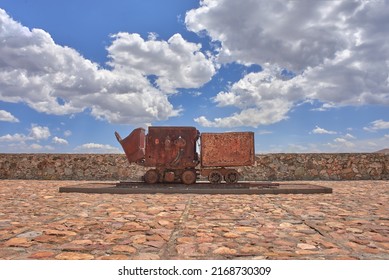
{"x":171,"y":154}
{"x":134,"y":145}
{"x":171,"y":147}
{"x":230,"y":149}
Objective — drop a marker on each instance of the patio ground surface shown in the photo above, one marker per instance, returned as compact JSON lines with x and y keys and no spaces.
{"x":38,"y":222}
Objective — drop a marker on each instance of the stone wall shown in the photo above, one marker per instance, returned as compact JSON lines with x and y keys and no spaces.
{"x":68,"y":167}
{"x":369,"y":166}
{"x":267,"y":167}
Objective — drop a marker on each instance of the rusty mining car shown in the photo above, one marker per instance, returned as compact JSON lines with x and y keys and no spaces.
{"x":172,"y":155}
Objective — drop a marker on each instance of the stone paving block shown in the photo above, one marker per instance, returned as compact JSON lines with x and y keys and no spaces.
{"x":38,"y":222}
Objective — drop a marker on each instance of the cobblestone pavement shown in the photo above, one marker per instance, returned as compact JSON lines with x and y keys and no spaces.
{"x":38,"y":222}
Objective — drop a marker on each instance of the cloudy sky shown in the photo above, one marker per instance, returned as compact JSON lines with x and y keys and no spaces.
{"x":305,"y":76}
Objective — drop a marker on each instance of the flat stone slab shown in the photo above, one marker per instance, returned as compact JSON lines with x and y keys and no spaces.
{"x":199,"y":188}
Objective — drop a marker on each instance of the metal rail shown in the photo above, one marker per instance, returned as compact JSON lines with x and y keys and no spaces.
{"x":126,"y":187}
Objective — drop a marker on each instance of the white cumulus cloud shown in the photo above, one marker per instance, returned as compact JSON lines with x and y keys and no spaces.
{"x":342,"y":144}
{"x":264,"y":98}
{"x":337,"y":51}
{"x":58,"y":80}
{"x":96,"y":148}
{"x":7,"y":117}
{"x":17,"y":137}
{"x":176,"y":62}
{"x":36,"y":133}
{"x":377,"y":125}
{"x":39,"y":132}
{"x":319,"y":130}
{"x":61,"y":141}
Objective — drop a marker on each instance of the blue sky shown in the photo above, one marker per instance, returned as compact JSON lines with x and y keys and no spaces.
{"x":305,"y":76}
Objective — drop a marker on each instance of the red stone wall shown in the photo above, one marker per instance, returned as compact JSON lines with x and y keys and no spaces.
{"x":275,"y":167}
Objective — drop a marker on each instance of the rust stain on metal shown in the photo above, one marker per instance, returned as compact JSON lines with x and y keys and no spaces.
{"x":227,"y":149}
{"x":133,"y":145}
{"x":171,"y":147}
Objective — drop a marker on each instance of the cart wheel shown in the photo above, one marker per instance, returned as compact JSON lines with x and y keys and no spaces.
{"x":188,"y":177}
{"x":215,"y":177}
{"x":231,"y":177}
{"x":151,"y":176}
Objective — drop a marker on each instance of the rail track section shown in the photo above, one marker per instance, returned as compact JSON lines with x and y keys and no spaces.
{"x":253,"y":188}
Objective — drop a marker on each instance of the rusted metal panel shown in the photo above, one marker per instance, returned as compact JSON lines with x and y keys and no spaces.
{"x":227,"y":149}
{"x":133,"y":145}
{"x":171,"y":147}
